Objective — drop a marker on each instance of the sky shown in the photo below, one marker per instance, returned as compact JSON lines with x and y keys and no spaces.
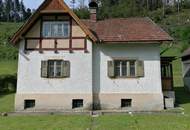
{"x":33,"y":4}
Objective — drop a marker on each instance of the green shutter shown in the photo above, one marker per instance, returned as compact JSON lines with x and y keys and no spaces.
{"x":65,"y":69}
{"x":44,"y":69}
{"x":111,"y":70}
{"x":140,"y":68}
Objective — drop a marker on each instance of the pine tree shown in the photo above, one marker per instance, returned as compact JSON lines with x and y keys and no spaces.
{"x":1,"y":10}
{"x":17,"y":5}
{"x":28,"y":14}
{"x":22,"y":10}
{"x":8,"y":9}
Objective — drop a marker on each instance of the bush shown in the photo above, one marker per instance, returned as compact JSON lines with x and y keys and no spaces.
{"x":186,"y":4}
{"x":156,"y":15}
{"x":8,"y":83}
{"x":170,"y":10}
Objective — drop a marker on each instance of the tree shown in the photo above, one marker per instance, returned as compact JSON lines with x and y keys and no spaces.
{"x":82,"y":13}
{"x":1,"y":9}
{"x":8,"y":4}
{"x":28,"y":14}
{"x":17,"y":5}
{"x":22,"y":10}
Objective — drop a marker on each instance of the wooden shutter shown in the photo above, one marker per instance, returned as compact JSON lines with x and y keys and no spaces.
{"x":44,"y":69}
{"x":65,"y":69}
{"x":140,"y":68}
{"x":111,"y":70}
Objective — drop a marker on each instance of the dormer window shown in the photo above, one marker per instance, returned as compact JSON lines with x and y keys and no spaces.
{"x":56,"y":29}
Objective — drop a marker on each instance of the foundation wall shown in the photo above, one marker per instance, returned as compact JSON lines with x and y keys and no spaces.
{"x":112,"y":101}
{"x":52,"y":102}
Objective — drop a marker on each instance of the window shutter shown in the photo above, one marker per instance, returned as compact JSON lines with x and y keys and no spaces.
{"x":65,"y":69}
{"x":111,"y":70}
{"x":44,"y":69}
{"x":140,"y":68}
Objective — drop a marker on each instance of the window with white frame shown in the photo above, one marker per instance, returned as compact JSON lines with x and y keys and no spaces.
{"x":125,"y":68}
{"x":54,"y":68}
{"x":56,"y":29}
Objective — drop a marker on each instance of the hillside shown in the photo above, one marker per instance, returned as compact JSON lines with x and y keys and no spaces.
{"x":7,"y":51}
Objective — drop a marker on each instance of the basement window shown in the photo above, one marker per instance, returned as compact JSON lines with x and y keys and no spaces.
{"x":126,"y":102}
{"x":29,"y":104}
{"x":77,"y":103}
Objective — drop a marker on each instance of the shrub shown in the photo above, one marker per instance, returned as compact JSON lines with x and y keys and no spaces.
{"x":8,"y":83}
{"x":156,"y":15}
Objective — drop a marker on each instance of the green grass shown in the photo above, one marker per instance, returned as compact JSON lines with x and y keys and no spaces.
{"x":142,"y":122}
{"x":6,"y":102}
{"x":45,"y":123}
{"x":8,"y":67}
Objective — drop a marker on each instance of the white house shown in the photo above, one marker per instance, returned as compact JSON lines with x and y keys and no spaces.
{"x":70,"y":64}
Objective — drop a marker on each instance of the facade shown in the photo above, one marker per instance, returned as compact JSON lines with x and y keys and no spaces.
{"x":70,"y":64}
{"x":186,"y":68}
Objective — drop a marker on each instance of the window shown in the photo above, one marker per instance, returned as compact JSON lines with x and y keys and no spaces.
{"x":77,"y":103}
{"x":187,"y":74}
{"x":166,"y":71}
{"x":29,"y":104}
{"x":54,"y":69}
{"x":125,"y":68}
{"x":56,"y":29}
{"x":126,"y":102}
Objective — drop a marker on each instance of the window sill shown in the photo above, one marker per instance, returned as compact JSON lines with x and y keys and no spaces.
{"x":127,"y":77}
{"x":55,"y":77}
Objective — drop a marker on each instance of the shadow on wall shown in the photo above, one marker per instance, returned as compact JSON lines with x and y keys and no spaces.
{"x":182,"y":95}
{"x":96,"y":80}
{"x":8,"y":83}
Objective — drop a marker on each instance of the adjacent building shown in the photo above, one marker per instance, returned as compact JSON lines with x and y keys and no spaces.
{"x":186,"y":68}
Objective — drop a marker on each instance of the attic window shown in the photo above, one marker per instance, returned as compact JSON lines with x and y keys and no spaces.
{"x":56,"y":29}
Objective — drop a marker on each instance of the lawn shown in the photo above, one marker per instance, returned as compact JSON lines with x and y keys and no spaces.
{"x":6,"y":102}
{"x":45,"y":123}
{"x":8,"y":67}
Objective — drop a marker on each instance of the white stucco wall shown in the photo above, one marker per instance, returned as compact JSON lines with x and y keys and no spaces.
{"x":29,"y":72}
{"x":89,"y":80}
{"x":149,"y":53}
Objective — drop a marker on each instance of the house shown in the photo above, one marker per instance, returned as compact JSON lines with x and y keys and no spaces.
{"x":186,"y":68}
{"x":66,"y":63}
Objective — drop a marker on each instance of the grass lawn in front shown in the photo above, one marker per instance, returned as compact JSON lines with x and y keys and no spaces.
{"x":45,"y":123}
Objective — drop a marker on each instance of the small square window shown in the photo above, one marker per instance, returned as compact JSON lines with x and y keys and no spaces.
{"x":77,"y":103}
{"x":126,"y":102}
{"x":29,"y":104}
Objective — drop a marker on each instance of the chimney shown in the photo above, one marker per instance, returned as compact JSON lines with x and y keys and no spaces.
{"x":93,"y":10}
